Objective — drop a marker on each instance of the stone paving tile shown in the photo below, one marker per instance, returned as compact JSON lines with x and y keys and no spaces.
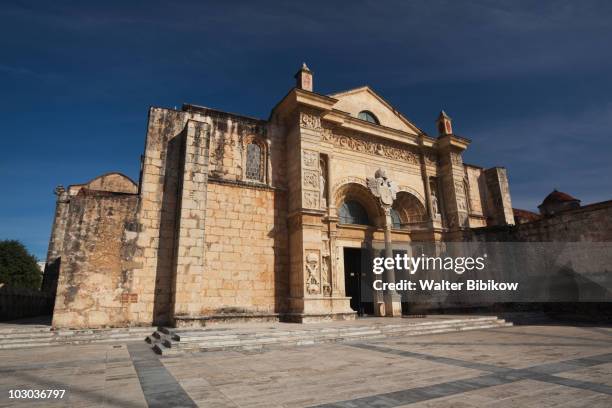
{"x":92,"y":375}
{"x":526,"y":366}
{"x":308,"y":375}
{"x":601,"y":374}
{"x":537,"y":350}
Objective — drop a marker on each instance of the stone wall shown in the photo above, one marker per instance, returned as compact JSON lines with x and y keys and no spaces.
{"x":94,"y":288}
{"x":174,"y":192}
{"x":245,"y":250}
{"x":590,"y":223}
{"x":498,"y":196}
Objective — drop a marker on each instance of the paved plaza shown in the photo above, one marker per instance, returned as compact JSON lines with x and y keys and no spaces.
{"x":521,"y":366}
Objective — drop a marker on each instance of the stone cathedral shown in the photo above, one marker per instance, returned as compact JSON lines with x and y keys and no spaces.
{"x":237,"y":218}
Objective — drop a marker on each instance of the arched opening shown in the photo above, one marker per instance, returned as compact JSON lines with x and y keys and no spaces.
{"x":352,"y":212}
{"x":407,"y":210}
{"x":356,"y":205}
{"x":358,"y":212}
{"x":395,"y":218}
{"x":254,"y":162}
{"x":368,"y":117}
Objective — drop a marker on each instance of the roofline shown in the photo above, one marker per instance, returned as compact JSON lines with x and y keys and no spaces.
{"x":188,"y":107}
{"x":405,"y":119}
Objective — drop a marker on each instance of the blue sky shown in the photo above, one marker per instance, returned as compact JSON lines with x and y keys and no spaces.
{"x":529,"y":82}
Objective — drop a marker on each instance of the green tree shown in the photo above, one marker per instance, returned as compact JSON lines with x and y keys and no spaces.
{"x":18,"y":268}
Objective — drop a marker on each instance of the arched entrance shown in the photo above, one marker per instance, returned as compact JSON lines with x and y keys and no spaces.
{"x":359,"y":216}
{"x":360,"y":237}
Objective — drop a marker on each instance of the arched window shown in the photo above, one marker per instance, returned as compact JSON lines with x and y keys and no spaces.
{"x":395,"y":218}
{"x":368,"y":117}
{"x":254,"y":162}
{"x":351,"y":212}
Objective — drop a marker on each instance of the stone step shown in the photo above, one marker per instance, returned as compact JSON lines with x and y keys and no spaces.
{"x":32,"y":330}
{"x":211,"y":335}
{"x":23,"y":339}
{"x":212,"y":332}
{"x":175,"y":342}
{"x":18,"y":335}
{"x":335,"y":334}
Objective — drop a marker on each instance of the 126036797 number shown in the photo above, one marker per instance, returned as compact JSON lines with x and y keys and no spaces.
{"x":36,"y":394}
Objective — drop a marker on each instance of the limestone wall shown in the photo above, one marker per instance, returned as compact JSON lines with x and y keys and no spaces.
{"x":591,"y":223}
{"x":172,"y":189}
{"x":94,"y":281}
{"x":245,"y":250}
{"x":499,"y":203}
{"x":115,"y":182}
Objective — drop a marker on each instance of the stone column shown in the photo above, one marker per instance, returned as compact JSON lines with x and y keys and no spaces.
{"x":393,"y":301}
{"x":386,"y":190}
{"x":191,"y":217}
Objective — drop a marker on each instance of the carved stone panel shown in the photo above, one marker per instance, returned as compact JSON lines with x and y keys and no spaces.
{"x":313,"y":282}
{"x":456,"y":159}
{"x":310,"y":158}
{"x":310,"y":199}
{"x":311,"y":180}
{"x":326,"y":271}
{"x":310,"y":121}
{"x":361,"y":144}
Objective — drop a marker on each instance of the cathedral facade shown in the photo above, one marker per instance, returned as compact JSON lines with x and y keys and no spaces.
{"x":238,"y":218}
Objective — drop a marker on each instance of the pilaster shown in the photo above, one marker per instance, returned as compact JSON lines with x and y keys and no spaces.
{"x":315,"y":291}
{"x":451,"y":174}
{"x":191,"y":216}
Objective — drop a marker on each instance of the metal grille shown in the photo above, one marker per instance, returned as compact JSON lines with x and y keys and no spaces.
{"x":254,"y":163}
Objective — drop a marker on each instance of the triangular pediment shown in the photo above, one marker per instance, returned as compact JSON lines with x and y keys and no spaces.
{"x":364,"y":98}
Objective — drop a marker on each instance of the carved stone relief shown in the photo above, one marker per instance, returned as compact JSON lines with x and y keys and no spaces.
{"x":326,"y":275}
{"x":337,"y":271}
{"x":310,"y":121}
{"x":360,"y":144}
{"x":460,"y":193}
{"x":456,"y":159}
{"x":323,"y":181}
{"x":310,"y":158}
{"x":433,"y":188}
{"x":312,"y":270}
{"x":311,"y":180}
{"x":310,"y":199}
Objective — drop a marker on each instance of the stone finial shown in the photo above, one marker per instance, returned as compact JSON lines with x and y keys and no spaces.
{"x":304,"y":78}
{"x":444,"y":124}
{"x":59,"y":190}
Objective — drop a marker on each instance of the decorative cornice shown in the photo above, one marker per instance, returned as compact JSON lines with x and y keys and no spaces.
{"x":356,"y":142}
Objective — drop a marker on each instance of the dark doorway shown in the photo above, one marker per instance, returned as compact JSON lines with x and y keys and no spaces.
{"x":355,"y":283}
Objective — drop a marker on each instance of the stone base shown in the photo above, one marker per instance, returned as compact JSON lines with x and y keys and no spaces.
{"x":201,"y":321}
{"x":317,"y":318}
{"x":318,"y":309}
{"x":393,"y":305}
{"x":379,"y":309}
